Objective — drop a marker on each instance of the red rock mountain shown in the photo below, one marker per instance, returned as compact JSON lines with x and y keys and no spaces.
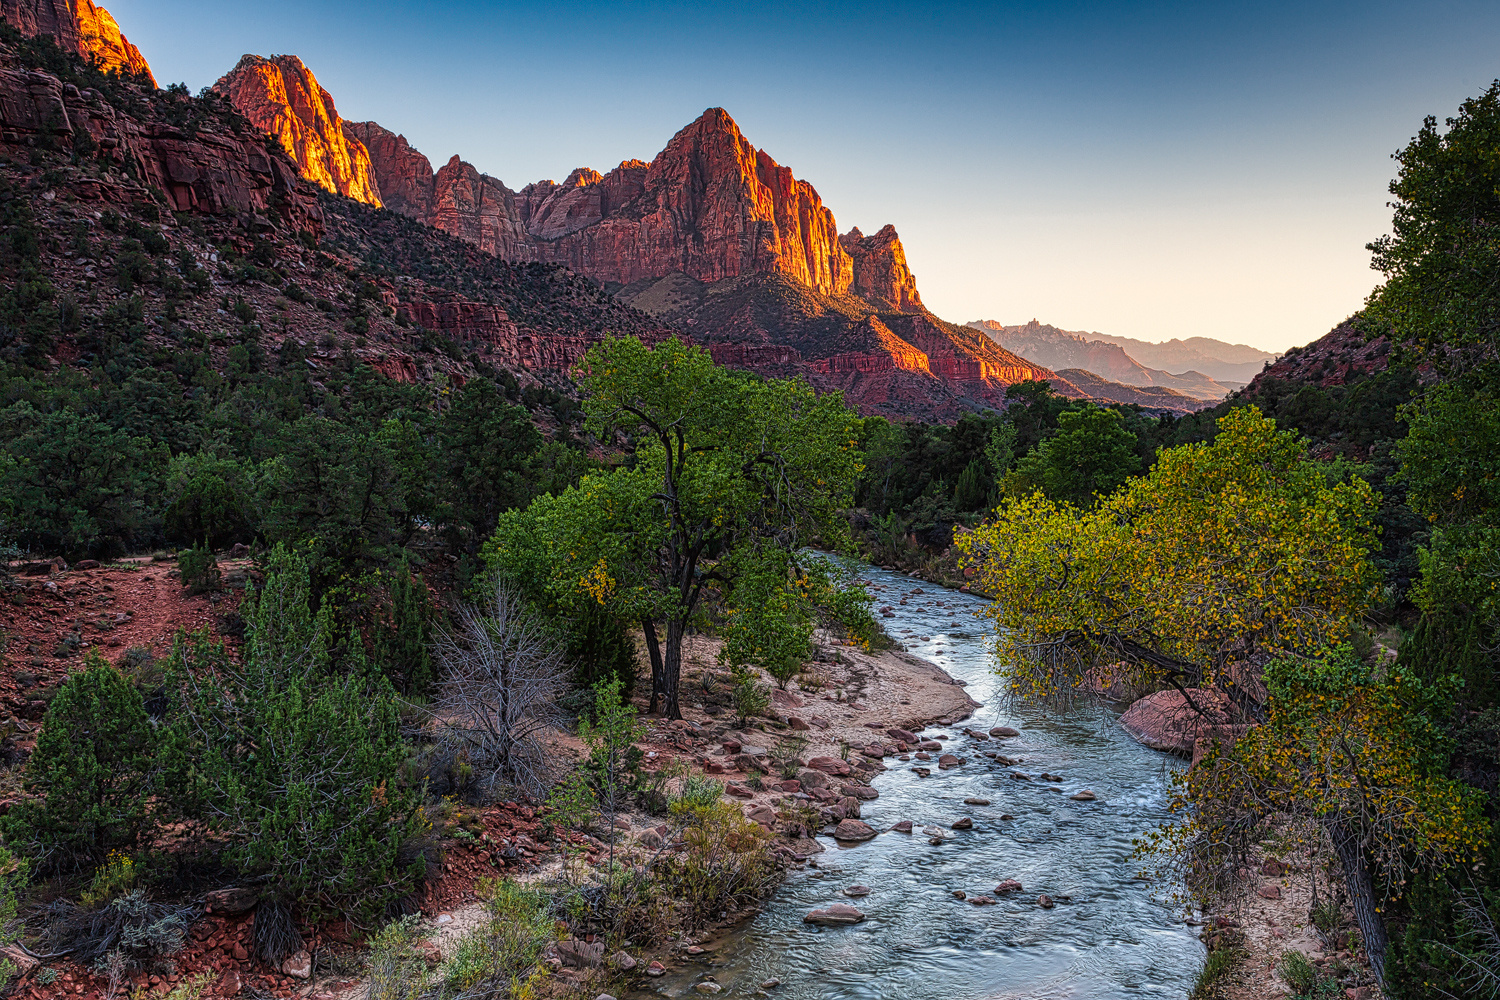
{"x":282,"y":97}
{"x":713,"y":235}
{"x":78,"y":26}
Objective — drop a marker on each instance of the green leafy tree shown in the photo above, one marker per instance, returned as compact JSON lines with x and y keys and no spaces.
{"x":727,"y":472}
{"x":72,"y":484}
{"x":1091,"y":454}
{"x":91,"y":769}
{"x":205,"y":501}
{"x":487,"y":445}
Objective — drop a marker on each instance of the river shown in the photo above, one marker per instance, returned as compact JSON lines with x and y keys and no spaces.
{"x":1109,"y":936}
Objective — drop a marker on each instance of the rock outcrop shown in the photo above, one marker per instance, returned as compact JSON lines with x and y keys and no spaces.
{"x":215,"y":170}
{"x":403,"y":175}
{"x":1168,"y":721}
{"x":881,"y":276}
{"x":80,"y":27}
{"x":282,"y":97}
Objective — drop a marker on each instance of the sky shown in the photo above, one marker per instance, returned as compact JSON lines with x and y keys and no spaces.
{"x":1149,"y":170}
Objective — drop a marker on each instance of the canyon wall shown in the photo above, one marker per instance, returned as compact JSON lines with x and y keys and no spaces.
{"x":78,"y":26}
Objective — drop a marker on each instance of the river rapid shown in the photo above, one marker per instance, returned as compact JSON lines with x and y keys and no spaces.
{"x":1107,"y":937}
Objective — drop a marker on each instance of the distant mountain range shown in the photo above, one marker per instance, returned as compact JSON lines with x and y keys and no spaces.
{"x":1199,"y":366}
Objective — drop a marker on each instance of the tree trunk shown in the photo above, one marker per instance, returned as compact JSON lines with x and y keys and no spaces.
{"x":1362,"y":891}
{"x":672,"y":670}
{"x":653,"y":646}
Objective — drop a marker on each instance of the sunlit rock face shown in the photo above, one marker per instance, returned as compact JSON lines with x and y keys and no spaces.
{"x":78,"y":26}
{"x":403,"y":175}
{"x":282,"y":97}
{"x":881,"y":276}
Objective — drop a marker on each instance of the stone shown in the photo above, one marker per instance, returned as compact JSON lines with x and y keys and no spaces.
{"x":831,"y":766}
{"x":902,"y":735}
{"x":855,"y":891}
{"x":812,"y":779}
{"x":959,"y":894}
{"x":623,"y":961}
{"x":1008,"y":886}
{"x":849,"y":807}
{"x":1274,"y":868}
{"x":739,"y":791}
{"x":983,"y":900}
{"x":1269,"y":892}
{"x":770,"y":984}
{"x":976,"y":802}
{"x":948,"y":760}
{"x":797,"y":724}
{"x":1006,"y":816}
{"x":298,"y":965}
{"x":764,"y":815}
{"x":863,"y":792}
{"x":834,"y":915}
{"x":964,"y":823}
{"x":732,"y":747}
{"x":656,"y":970}
{"x":922,"y":772}
{"x":23,"y":962}
{"x":579,"y":954}
{"x":1083,"y":796}
{"x":1045,"y":902}
{"x":1004,"y":732}
{"x":1166,"y":720}
{"x":854,"y":830}
{"x":902,"y":827}
{"x":649,"y":839}
{"x":232,"y":901}
{"x":708,"y":987}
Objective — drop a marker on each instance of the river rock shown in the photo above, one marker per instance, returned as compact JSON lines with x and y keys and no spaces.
{"x":1045,"y":902}
{"x":864,"y":792}
{"x":656,"y":970}
{"x":850,"y":805}
{"x":983,"y":900}
{"x":732,"y":746}
{"x":1083,"y":796}
{"x":581,"y":954}
{"x":922,"y":772}
{"x":902,"y":735}
{"x":708,"y":988}
{"x":902,"y":827}
{"x":1004,"y":732}
{"x":853,"y":829}
{"x":812,"y":779}
{"x":299,"y":965}
{"x":976,"y":802}
{"x":623,"y":961}
{"x":739,"y":791}
{"x":929,"y":745}
{"x":764,"y":815}
{"x":959,"y":894}
{"x":1008,"y":886}
{"x":830,"y":765}
{"x":947,"y":760}
{"x":834,"y":915}
{"x":1166,"y":721}
{"x":752,"y":750}
{"x":964,"y":823}
{"x":1006,"y":816}
{"x":798,"y":724}
{"x":855,"y":891}
{"x":750,"y":762}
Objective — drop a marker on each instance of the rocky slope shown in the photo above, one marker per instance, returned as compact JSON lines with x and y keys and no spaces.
{"x":1341,"y":356}
{"x":282,"y":98}
{"x":1153,"y":397}
{"x":81,"y":28}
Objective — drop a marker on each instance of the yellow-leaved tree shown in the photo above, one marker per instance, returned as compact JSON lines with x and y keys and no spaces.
{"x":1223,"y":553}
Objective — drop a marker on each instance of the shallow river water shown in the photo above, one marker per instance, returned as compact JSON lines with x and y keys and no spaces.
{"x":1108,"y":936}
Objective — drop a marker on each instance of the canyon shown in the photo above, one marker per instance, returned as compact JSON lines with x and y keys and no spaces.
{"x":78,"y":27}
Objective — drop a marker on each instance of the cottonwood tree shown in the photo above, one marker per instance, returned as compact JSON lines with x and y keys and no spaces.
{"x":503,"y":672}
{"x":725,"y":472}
{"x":1222,"y":554}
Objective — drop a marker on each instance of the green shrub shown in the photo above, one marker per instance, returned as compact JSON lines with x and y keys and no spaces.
{"x":199,"y":569}
{"x":500,"y":958}
{"x":403,"y":645}
{"x":252,"y":749}
{"x":394,"y":968}
{"x":90,"y":769}
{"x":749,"y":698}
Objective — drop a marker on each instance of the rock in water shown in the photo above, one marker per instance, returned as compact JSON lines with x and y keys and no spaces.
{"x":1165,"y":721}
{"x":836,"y":915}
{"x":853,"y":829}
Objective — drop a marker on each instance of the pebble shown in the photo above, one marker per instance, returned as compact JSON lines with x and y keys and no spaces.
{"x":770,"y":984}
{"x":709,"y":988}
{"x":976,"y":802}
{"x":1045,"y":902}
{"x":960,"y":894}
{"x":656,"y":969}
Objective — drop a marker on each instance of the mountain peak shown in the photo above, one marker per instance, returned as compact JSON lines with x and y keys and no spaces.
{"x":80,"y":27}
{"x":281,"y":96}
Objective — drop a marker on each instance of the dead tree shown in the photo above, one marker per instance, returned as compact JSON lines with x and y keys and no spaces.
{"x":503,"y":670}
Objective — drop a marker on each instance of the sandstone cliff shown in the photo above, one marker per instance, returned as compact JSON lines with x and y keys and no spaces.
{"x":402,"y":174}
{"x":881,"y":276}
{"x":282,"y":97}
{"x":80,"y":27}
{"x":216,"y":168}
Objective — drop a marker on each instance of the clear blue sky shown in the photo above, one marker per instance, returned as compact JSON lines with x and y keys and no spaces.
{"x":1151,"y":170}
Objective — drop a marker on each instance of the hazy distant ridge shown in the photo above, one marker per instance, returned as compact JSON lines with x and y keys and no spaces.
{"x":1198,"y":366}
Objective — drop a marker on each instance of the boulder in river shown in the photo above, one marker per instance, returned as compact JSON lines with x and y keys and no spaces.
{"x":1045,"y":902}
{"x":853,"y":829}
{"x":834,"y":915}
{"x":1004,"y":732}
{"x":1166,"y":720}
{"x":830,"y":765}
{"x":902,"y":827}
{"x":1008,"y":886}
{"x":1084,"y":796}
{"x":902,"y":735}
{"x":964,"y":823}
{"x":976,"y":802}
{"x":855,"y":891}
{"x":864,"y":792}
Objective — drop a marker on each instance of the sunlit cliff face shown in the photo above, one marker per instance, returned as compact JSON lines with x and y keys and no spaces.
{"x":78,"y":26}
{"x":281,"y":96}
